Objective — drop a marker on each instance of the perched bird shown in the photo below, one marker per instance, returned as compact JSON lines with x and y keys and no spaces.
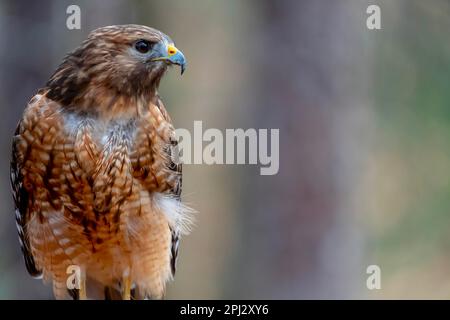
{"x":93,"y":179}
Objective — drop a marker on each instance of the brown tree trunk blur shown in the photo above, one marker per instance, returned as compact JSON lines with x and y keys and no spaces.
{"x":305,"y":244}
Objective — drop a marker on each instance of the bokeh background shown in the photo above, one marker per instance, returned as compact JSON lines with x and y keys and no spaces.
{"x":364,"y":119}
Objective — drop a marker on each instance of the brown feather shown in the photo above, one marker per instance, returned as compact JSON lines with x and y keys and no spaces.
{"x":91,"y":158}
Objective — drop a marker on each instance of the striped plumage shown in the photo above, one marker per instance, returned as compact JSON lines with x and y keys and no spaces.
{"x":92,"y":177}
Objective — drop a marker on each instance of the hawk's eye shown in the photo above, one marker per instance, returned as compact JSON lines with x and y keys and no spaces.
{"x":143,"y":46}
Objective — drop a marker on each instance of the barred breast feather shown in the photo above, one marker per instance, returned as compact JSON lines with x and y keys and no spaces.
{"x":99,"y":194}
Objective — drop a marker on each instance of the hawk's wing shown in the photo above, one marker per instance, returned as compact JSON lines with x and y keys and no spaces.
{"x":21,"y":199}
{"x":175,"y":189}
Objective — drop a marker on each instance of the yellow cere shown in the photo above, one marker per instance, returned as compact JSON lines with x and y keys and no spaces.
{"x":171,"y":50}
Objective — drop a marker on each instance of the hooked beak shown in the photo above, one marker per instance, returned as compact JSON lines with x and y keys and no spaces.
{"x":172,"y":55}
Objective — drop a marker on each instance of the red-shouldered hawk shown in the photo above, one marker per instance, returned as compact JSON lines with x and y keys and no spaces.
{"x":93,"y":179}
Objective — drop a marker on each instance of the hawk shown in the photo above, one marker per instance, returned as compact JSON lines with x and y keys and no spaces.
{"x":92,"y":172}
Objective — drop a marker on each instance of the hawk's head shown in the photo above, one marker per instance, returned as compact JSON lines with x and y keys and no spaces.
{"x":126,"y":60}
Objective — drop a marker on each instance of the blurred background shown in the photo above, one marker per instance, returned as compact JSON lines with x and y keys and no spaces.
{"x":364,"y":118}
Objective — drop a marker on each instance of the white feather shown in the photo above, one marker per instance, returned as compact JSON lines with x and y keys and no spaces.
{"x":179,"y":215}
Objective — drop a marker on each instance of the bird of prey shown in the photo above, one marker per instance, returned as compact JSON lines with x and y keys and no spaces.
{"x":92,"y":171}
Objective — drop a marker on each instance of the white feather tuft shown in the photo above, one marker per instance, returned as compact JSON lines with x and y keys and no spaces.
{"x":179,"y":215}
